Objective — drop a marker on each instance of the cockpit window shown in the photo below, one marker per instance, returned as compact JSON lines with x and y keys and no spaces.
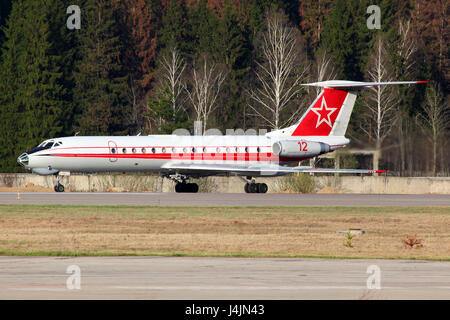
{"x":43,"y":146}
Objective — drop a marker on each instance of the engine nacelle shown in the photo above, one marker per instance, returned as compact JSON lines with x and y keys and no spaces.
{"x":299,"y":148}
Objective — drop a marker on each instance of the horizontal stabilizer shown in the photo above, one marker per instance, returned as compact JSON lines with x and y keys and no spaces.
{"x":356,"y":84}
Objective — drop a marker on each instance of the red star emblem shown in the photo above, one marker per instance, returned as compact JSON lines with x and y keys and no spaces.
{"x":324,"y":113}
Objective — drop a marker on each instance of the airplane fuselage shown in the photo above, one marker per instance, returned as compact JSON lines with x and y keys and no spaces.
{"x":155,"y":152}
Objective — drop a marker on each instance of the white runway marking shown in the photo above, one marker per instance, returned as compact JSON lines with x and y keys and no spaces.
{"x":238,"y":287}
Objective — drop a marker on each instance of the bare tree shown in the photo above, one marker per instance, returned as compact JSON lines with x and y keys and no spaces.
{"x":407,"y":47}
{"x":169,"y":88}
{"x":172,"y":72}
{"x":281,"y":71}
{"x":435,"y":120}
{"x":323,"y":68}
{"x":380,"y":101}
{"x":206,"y":83}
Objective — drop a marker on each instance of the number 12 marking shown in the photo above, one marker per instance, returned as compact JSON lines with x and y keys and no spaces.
{"x":303,"y":146}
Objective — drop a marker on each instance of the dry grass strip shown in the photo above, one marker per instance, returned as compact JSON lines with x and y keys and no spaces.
{"x":229,"y":231}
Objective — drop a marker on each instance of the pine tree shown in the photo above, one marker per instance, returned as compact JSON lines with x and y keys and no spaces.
{"x":31,"y":82}
{"x":9,"y":129}
{"x":173,"y":31}
{"x":5,"y":9}
{"x":101,"y":82}
{"x":166,"y":120}
{"x":312,"y":17}
{"x":430,"y":20}
{"x":201,"y":30}
{"x":233,"y":49}
{"x":65,"y":45}
{"x":138,"y":34}
{"x":347,"y":36}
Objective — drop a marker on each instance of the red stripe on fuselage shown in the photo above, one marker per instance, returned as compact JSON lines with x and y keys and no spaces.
{"x":263,"y":156}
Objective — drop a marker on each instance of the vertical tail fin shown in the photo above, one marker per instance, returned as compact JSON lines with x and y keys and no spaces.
{"x":329,"y":114}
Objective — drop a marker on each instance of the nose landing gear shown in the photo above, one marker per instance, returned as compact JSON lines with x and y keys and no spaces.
{"x":58,"y":187}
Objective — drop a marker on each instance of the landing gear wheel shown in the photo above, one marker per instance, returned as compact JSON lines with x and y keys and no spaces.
{"x":262,"y":188}
{"x":186,"y":187}
{"x":194,"y":187}
{"x":59,"y":188}
{"x":253,"y":187}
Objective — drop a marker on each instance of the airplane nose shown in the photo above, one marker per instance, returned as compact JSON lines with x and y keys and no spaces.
{"x":23,"y":159}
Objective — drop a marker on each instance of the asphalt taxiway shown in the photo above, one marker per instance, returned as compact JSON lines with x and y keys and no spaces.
{"x":225,"y":199}
{"x":220,"y":278}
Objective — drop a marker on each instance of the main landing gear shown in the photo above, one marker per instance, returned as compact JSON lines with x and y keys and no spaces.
{"x":182,"y":186}
{"x":186,"y":187}
{"x":253,"y":187}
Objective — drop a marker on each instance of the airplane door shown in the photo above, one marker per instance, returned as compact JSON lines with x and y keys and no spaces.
{"x":112,"y":150}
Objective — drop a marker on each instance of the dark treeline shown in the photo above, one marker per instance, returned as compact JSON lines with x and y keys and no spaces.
{"x":151,"y":66}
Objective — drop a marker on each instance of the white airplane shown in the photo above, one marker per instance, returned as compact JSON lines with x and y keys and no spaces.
{"x":320,"y":130}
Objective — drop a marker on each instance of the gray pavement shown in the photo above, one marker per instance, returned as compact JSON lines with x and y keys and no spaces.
{"x":225,"y":199}
{"x":220,"y":278}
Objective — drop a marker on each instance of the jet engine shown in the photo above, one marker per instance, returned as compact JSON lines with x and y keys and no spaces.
{"x":299,"y":148}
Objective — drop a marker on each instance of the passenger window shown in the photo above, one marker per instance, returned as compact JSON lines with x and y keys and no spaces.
{"x":124,"y":150}
{"x":133,"y":150}
{"x":113,"y":150}
{"x":143,"y":150}
{"x":153,"y":150}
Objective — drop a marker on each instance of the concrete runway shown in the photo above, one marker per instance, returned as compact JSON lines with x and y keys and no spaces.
{"x":220,"y":278}
{"x":225,"y":199}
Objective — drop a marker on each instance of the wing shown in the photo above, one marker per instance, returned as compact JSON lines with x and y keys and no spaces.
{"x":254,"y":171}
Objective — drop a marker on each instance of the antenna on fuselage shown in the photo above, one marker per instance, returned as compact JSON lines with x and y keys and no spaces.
{"x":138,"y":134}
{"x":76,"y":133}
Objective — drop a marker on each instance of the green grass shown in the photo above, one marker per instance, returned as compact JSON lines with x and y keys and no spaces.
{"x":30,"y":211}
{"x":43,"y":253}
